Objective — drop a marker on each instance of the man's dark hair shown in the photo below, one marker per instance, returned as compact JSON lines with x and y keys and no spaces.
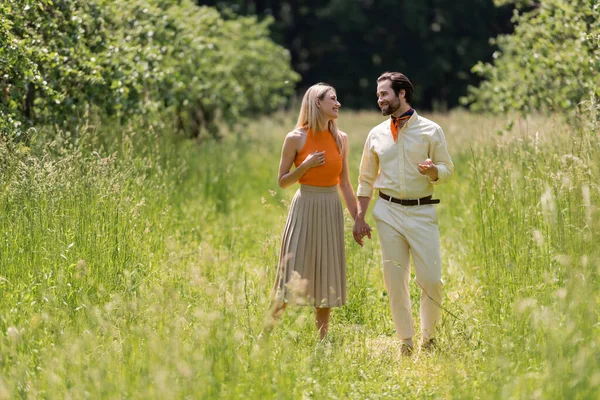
{"x":399,"y":81}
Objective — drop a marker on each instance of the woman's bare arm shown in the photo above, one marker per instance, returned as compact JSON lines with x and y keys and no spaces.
{"x":292,"y":144}
{"x":345,"y":185}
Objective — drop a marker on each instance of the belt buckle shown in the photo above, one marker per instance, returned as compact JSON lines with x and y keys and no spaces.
{"x":418,"y":202}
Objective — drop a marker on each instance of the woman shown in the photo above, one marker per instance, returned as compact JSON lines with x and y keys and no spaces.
{"x":312,"y":262}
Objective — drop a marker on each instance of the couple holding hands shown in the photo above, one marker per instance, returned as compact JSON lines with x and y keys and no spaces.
{"x":404,"y":157}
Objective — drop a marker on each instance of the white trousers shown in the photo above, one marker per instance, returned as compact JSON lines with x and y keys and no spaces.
{"x":405,"y":231}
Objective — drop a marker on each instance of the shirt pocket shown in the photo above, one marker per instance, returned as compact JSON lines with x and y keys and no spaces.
{"x":417,"y":152}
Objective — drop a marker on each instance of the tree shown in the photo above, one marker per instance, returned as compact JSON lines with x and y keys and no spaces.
{"x":62,"y":59}
{"x":348,"y":43}
{"x":550,"y":63}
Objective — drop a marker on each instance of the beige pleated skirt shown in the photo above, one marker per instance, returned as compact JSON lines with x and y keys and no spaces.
{"x":312,"y":260}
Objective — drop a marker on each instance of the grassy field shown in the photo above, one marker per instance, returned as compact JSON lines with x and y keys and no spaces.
{"x":140,"y":268}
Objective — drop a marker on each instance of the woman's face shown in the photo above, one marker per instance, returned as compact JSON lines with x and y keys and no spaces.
{"x":330,"y":105}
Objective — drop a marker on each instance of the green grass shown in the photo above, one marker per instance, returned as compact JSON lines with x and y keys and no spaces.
{"x":140,"y":267}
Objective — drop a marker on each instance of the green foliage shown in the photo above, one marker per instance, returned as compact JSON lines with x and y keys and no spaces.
{"x":60,"y":59}
{"x":231,"y":66}
{"x":551,"y":62}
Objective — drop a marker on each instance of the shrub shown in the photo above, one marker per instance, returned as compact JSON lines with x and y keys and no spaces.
{"x":60,"y":59}
{"x":550,"y":63}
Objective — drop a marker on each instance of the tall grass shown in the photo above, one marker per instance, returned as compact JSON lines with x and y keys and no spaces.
{"x":139,"y":266}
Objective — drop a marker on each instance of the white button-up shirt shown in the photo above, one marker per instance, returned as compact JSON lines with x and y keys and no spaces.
{"x":392,"y":166}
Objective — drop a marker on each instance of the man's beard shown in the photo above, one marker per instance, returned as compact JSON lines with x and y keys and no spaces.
{"x":390,"y":108}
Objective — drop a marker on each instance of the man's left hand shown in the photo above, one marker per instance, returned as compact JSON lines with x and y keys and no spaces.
{"x":428,"y":168}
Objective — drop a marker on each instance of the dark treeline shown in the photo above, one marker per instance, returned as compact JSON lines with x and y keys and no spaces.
{"x":348,"y":43}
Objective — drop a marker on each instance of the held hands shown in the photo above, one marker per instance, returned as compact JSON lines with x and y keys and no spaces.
{"x":361,"y":229}
{"x":314,"y":159}
{"x":428,"y":168}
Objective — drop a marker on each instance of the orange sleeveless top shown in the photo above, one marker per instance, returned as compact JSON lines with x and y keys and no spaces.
{"x":327,"y":174}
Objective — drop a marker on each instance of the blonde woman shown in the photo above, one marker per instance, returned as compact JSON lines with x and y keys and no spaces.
{"x":312,"y":261}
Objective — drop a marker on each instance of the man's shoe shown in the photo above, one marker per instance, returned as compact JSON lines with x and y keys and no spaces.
{"x":429,"y":345}
{"x":406,"y":349}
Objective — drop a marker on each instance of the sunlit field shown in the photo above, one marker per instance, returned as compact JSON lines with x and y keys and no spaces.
{"x":141,"y":267}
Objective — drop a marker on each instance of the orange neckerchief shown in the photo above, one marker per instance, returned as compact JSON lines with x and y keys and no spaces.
{"x":395,"y":122}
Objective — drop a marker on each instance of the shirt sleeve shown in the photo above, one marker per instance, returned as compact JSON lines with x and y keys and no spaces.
{"x":369,"y":169}
{"x":441,"y":158}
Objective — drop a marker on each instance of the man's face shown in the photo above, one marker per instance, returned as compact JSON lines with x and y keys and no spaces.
{"x":386,"y":98}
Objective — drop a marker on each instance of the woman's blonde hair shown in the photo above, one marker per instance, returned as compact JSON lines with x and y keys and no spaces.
{"x":311,"y":116}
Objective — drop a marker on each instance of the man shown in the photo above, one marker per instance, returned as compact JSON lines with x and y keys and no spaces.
{"x":403,"y":158}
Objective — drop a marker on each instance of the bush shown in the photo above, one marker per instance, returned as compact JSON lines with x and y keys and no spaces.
{"x":60,"y":59}
{"x":550,"y":63}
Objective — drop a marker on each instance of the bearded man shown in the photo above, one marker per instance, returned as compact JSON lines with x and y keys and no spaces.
{"x":404,"y":157}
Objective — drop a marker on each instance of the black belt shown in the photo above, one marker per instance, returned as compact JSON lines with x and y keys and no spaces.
{"x":409,"y":202}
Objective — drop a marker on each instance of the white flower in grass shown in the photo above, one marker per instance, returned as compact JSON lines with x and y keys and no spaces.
{"x":81,"y":269}
{"x":563,"y":260}
{"x":13,"y":333}
{"x":298,"y":288}
{"x":526,"y":305}
{"x":561,"y":293}
{"x":548,"y":205}
{"x":587,"y":202}
{"x":538,"y":238}
{"x":570,"y":158}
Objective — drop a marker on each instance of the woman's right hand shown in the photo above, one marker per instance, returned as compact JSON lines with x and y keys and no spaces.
{"x":314,"y":159}
{"x":361,"y":229}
